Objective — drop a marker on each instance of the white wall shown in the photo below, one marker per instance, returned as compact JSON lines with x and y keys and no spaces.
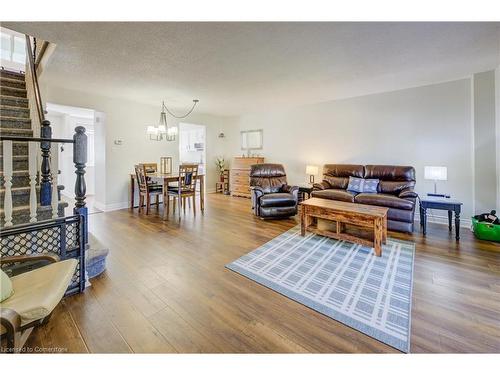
{"x":497,"y":120}
{"x":428,"y":125}
{"x":485,"y":167}
{"x":127,"y":121}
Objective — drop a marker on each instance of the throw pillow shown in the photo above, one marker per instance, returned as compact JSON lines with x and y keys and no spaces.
{"x":355,"y":185}
{"x":370,"y":185}
{"x":5,"y":286}
{"x":361,"y":185}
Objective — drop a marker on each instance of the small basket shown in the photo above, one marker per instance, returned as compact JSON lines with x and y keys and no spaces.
{"x":486,"y":231}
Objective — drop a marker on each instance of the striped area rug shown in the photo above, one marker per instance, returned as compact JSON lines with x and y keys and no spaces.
{"x":340,"y":279}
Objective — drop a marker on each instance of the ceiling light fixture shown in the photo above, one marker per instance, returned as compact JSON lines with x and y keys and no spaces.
{"x":162,"y":130}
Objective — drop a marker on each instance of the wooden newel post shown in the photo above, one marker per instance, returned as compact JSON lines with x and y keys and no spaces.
{"x":45,"y":183}
{"x":80,"y":159}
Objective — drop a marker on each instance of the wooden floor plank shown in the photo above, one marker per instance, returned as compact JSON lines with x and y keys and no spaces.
{"x":166,"y":290}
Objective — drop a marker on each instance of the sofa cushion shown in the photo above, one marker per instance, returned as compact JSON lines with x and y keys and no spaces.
{"x":384,"y":200}
{"x":277,"y":200}
{"x":5,"y":286}
{"x":39,"y":291}
{"x":334,"y":194}
{"x":394,"y":187}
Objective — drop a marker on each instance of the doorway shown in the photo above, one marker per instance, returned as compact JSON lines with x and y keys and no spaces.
{"x":192,"y":145}
{"x":64,"y":119}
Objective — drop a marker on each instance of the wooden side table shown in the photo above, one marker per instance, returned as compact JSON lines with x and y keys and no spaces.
{"x":438,"y":203}
{"x":223,"y":186}
{"x":303,"y":190}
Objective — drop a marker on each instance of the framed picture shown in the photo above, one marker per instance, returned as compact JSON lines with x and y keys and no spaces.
{"x":166,"y":164}
{"x":252,"y":139}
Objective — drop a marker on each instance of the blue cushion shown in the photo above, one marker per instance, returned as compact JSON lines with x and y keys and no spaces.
{"x":362,"y":185}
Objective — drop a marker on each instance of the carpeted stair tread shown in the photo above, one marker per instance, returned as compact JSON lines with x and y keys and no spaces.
{"x":14,"y":111}
{"x":13,"y":101}
{"x":21,"y":214}
{"x":19,"y":162}
{"x":16,"y":132}
{"x":15,"y":122}
{"x":9,"y":82}
{"x":12,"y":75}
{"x":12,"y":91}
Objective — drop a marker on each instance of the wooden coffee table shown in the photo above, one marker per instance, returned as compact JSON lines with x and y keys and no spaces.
{"x":361,"y":216}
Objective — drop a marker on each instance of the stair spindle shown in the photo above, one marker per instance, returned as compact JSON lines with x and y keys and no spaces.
{"x":54,"y":164}
{"x":80,"y":159}
{"x":7,"y":175}
{"x":33,"y":169}
{"x":45,"y":186}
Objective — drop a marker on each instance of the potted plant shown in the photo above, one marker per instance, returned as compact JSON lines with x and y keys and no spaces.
{"x":221,"y":166}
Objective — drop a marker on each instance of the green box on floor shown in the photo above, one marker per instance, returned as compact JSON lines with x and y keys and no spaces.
{"x":486,"y":231}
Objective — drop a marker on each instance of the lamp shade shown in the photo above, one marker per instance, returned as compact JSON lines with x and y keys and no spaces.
{"x":436,"y":173}
{"x":312,"y":170}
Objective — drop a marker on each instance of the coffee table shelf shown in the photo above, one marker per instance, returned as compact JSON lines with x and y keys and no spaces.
{"x":371,"y":219}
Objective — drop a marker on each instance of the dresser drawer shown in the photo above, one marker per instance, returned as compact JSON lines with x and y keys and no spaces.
{"x":241,"y":189}
{"x":240,"y":180}
{"x":240,"y":173}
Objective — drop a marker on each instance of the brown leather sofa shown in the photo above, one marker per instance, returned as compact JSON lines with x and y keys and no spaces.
{"x":272,"y":197}
{"x":395,"y":190}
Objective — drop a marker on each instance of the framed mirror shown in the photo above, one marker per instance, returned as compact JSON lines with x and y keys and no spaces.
{"x":252,"y":139}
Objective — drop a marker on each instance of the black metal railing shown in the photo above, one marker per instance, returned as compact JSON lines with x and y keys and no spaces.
{"x":63,"y":237}
{"x":79,"y":142}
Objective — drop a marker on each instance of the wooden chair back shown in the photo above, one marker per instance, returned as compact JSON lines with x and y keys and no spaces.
{"x":142,"y":180}
{"x":150,"y":167}
{"x":187,"y":177}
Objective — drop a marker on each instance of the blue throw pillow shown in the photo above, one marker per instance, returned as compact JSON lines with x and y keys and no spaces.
{"x":361,"y":185}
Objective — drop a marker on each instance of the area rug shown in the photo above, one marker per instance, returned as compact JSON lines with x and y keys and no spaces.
{"x":340,"y":279}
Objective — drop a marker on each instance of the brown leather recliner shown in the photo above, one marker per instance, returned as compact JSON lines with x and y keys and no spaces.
{"x":395,"y":190}
{"x":272,"y":197}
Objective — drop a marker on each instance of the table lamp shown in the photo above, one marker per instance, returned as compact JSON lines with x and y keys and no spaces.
{"x":436,"y":174}
{"x":312,"y":170}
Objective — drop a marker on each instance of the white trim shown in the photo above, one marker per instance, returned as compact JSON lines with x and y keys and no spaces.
{"x":112,"y":206}
{"x":99,"y":206}
{"x":465,"y":222}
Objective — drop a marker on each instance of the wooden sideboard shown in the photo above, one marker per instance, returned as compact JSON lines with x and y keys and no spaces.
{"x":240,"y":175}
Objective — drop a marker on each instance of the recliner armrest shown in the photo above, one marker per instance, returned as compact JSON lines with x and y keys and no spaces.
{"x":294,"y":190}
{"x":256,"y":192}
{"x":408,"y":193}
{"x":321,"y":185}
{"x":289,"y":189}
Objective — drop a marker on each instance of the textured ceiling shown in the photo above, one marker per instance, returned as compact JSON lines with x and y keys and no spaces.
{"x":235,"y":68}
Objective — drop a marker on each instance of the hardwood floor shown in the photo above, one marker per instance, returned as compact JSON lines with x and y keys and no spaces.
{"x":166,"y":290}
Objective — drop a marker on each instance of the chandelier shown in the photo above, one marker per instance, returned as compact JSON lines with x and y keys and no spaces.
{"x":162,"y":130}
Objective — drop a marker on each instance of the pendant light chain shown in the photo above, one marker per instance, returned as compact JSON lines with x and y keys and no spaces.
{"x":195,"y":101}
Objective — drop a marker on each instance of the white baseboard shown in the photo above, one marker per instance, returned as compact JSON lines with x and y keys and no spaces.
{"x":439,"y":219}
{"x":112,"y":206}
{"x":100,"y":206}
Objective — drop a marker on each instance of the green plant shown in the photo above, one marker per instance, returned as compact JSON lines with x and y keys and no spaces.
{"x":221,"y":164}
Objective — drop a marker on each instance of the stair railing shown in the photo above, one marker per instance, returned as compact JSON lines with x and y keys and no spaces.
{"x":33,"y":89}
{"x":49,"y":145}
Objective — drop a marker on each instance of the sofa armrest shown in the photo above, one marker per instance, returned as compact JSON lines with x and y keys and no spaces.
{"x":321,"y":185}
{"x":29,"y":258}
{"x":408,"y":193}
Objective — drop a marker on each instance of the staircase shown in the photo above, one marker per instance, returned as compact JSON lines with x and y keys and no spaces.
{"x":15,"y":121}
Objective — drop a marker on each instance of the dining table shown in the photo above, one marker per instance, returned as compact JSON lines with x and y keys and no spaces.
{"x":165,"y":179}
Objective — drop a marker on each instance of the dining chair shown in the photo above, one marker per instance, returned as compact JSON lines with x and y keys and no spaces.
{"x":150,"y":167}
{"x":146,"y":188}
{"x":185,"y":189}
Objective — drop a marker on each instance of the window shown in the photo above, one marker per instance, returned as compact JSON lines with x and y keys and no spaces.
{"x":13,"y":49}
